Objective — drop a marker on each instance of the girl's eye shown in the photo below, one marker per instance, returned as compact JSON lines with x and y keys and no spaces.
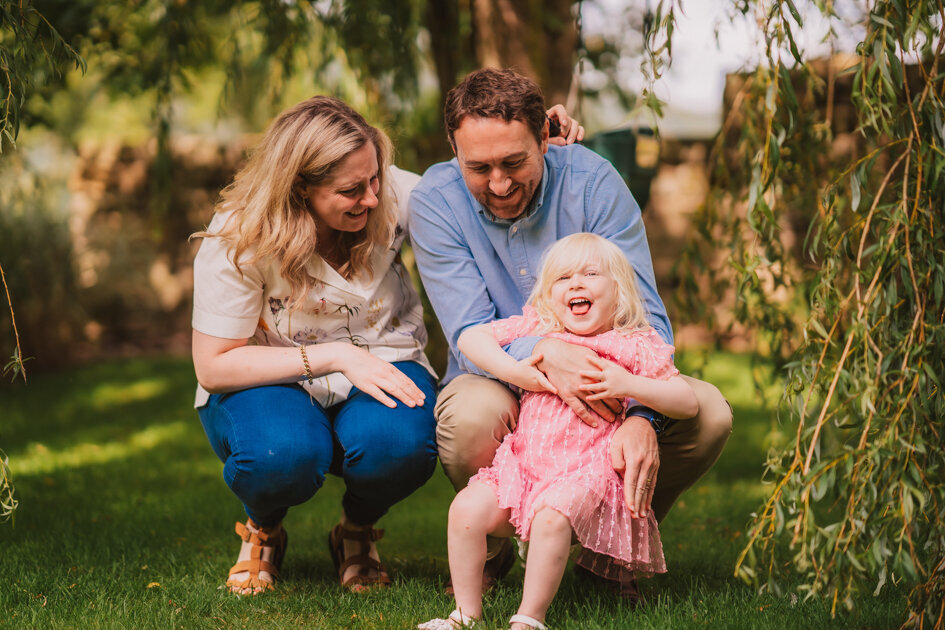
{"x":561,"y":278}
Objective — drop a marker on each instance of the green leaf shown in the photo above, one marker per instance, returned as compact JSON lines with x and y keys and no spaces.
{"x":794,"y":13}
{"x":854,"y":192}
{"x":818,"y":328}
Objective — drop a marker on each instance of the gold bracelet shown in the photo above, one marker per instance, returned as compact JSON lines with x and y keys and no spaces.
{"x":308,"y":368}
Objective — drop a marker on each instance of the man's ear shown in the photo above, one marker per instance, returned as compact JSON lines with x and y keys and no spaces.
{"x":545,"y":134}
{"x":453,"y":146}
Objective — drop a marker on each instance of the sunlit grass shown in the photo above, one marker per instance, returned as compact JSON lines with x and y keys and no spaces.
{"x":124,"y":522}
{"x":108,"y":395}
{"x":38,"y":459}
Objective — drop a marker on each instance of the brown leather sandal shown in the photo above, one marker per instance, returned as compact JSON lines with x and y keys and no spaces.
{"x":362,"y":580}
{"x":255,"y":564}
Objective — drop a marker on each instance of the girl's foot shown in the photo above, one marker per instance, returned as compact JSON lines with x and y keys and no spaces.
{"x":456,"y":621}
{"x":257,"y":566}
{"x":524,"y":622}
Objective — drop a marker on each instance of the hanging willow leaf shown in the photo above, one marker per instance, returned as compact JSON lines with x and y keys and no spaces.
{"x":857,"y":500}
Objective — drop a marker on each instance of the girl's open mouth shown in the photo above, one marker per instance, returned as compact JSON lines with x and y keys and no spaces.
{"x":579,"y":306}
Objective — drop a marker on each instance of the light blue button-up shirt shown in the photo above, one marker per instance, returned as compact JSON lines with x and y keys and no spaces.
{"x":477,"y":268}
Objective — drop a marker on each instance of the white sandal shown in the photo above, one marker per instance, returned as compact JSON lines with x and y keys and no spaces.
{"x":531,"y":622}
{"x":455,"y":621}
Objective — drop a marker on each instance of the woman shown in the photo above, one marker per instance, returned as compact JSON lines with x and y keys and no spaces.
{"x":308,"y":338}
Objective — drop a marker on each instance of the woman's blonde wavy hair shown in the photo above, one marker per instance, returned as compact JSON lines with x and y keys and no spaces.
{"x":573,"y":253}
{"x":303,"y":146}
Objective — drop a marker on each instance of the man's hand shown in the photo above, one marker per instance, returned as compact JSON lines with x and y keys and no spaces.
{"x":563,"y":363}
{"x":635,"y":454}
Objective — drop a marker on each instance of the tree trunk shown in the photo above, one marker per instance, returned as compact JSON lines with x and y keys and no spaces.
{"x":451,"y":45}
{"x":536,"y":37}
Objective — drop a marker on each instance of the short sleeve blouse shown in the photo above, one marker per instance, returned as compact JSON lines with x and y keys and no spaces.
{"x":382,"y":314}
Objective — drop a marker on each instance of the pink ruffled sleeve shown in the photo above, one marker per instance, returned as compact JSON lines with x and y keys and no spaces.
{"x":511,"y":328}
{"x":653,"y":356}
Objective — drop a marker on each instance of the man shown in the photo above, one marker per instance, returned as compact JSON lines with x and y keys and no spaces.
{"x":479,"y":225}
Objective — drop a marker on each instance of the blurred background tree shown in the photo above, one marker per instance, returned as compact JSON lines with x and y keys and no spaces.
{"x":121,"y":163}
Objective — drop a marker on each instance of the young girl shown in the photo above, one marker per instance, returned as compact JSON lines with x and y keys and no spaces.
{"x":552,"y":477}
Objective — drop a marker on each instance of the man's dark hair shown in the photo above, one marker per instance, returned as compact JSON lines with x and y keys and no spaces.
{"x":494,"y":93}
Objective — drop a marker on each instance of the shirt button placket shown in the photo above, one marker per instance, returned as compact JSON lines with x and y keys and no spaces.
{"x":520,"y":256}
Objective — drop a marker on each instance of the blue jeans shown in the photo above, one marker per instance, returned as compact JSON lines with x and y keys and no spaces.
{"x":277,"y":444}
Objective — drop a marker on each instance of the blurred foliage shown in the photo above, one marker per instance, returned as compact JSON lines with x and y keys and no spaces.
{"x":37,"y":255}
{"x":31,"y":50}
{"x":7,"y":500}
{"x":831,"y":245}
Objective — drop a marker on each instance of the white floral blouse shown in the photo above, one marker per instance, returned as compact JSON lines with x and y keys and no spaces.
{"x":382,"y":315}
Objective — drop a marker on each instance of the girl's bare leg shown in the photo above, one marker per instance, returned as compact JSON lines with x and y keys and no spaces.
{"x":547,"y":557}
{"x":474,"y":513}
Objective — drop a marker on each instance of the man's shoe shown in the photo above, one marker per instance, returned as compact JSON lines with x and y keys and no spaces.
{"x":625,"y":587}
{"x":497,"y":567}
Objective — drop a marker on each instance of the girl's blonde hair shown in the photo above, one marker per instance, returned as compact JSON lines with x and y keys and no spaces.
{"x":303,"y":146}
{"x":573,"y":253}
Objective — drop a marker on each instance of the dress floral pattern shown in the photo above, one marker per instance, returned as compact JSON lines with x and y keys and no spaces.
{"x":553,"y":459}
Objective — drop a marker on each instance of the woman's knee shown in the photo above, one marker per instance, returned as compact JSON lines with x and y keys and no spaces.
{"x":271,"y":474}
{"x":409,"y":466}
{"x":381,"y":468}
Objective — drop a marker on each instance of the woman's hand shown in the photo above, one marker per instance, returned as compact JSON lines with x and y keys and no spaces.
{"x":609,"y":380}
{"x":529,"y":377}
{"x":571,"y":129}
{"x":376,"y":377}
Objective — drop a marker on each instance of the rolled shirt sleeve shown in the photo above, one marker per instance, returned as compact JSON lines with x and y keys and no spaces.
{"x":449,"y":271}
{"x":227,"y":303}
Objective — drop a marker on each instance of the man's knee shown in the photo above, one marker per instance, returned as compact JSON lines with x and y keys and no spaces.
{"x":689,"y":448}
{"x":715,"y":415}
{"x":473,"y":415}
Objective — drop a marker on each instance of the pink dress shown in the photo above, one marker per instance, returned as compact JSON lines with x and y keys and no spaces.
{"x":553,"y":459}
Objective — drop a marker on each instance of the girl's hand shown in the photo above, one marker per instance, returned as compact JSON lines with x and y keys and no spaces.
{"x":375,"y":376}
{"x":529,"y":377}
{"x":610,"y":380}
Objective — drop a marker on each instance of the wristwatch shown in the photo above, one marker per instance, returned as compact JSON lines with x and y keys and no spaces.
{"x":658,"y":421}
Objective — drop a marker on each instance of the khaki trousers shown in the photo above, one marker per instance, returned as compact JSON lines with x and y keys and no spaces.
{"x":474,"y":413}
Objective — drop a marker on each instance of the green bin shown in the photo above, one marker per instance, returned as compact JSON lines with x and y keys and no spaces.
{"x":634,"y":153}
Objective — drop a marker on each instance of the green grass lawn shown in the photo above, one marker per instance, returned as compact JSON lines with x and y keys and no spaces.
{"x":124,"y":522}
